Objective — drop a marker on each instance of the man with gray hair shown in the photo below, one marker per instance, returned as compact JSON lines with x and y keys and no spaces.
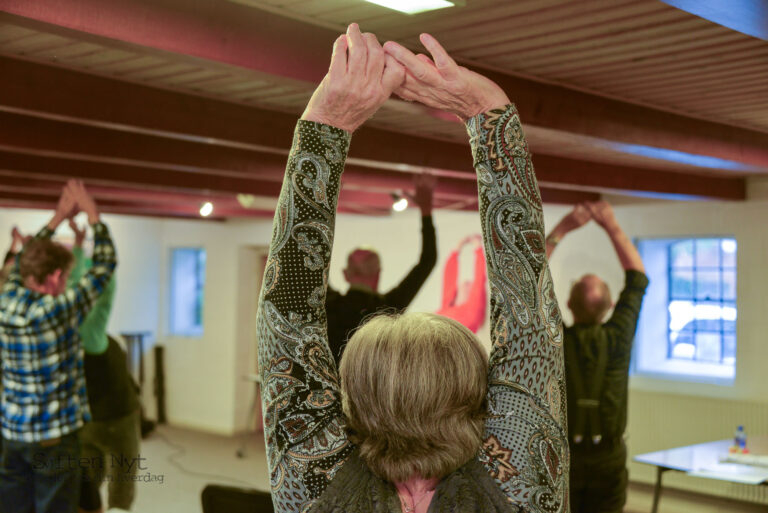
{"x":597,"y":356}
{"x":346,"y":311}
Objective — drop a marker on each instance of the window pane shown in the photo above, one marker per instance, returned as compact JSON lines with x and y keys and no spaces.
{"x":681,"y":315}
{"x":694,"y":279}
{"x":682,"y":344}
{"x":709,"y":325}
{"x":729,"y":349}
{"x":187,"y":291}
{"x":681,"y":285}
{"x":708,"y":347}
{"x":729,"y":284}
{"x":708,"y":285}
{"x":707,"y":252}
{"x":729,"y":252}
{"x":681,"y":254}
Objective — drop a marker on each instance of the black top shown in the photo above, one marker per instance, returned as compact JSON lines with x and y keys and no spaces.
{"x":112,"y":393}
{"x":468,"y":489}
{"x":346,"y":311}
{"x":584,"y":344}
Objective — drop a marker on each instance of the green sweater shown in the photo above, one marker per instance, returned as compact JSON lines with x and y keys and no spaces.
{"x":93,"y":330}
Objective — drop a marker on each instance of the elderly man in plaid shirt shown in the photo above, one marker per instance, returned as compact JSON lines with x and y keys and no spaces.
{"x":44,"y":401}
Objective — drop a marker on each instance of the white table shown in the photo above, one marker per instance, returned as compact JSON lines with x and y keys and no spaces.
{"x":703,"y":460}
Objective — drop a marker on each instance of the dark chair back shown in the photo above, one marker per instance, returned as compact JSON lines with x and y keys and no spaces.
{"x":229,"y":499}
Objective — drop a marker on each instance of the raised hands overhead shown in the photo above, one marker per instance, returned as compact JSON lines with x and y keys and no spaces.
{"x":79,"y":233}
{"x":83,"y":200}
{"x":18,"y":240}
{"x":442,"y":84}
{"x":361,"y":77}
{"x":579,"y":216}
{"x":576,"y":218}
{"x":602,"y":213}
{"x":66,"y":208}
{"x":424,"y":188}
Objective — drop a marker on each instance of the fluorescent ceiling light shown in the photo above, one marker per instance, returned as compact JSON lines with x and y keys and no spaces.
{"x":413,"y":6}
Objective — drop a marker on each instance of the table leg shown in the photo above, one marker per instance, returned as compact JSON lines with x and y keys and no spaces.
{"x":657,"y":489}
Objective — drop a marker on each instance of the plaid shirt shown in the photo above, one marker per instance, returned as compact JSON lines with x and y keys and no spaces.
{"x":44,"y":395}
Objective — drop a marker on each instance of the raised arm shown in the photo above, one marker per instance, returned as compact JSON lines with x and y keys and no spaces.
{"x":66,"y":207}
{"x":17,"y":241}
{"x":83,"y":294}
{"x":306,"y":442}
{"x":402,"y":295}
{"x":623,"y":320}
{"x":79,"y":267}
{"x":526,"y":448}
{"x":630,"y":259}
{"x":93,"y":330}
{"x":575,"y":219}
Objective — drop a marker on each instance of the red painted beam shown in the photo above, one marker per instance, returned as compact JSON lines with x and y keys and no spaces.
{"x":47,"y":201}
{"x":87,"y":151}
{"x":230,"y":33}
{"x":90,"y":100}
{"x":556,"y":171}
{"x":21,"y":164}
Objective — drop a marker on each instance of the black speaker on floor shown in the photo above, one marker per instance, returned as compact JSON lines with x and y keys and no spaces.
{"x":229,"y":499}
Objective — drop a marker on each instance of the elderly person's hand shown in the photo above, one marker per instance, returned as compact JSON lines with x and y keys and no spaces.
{"x":602,"y":213}
{"x":424,"y":185}
{"x":442,"y":84}
{"x":361,"y":77}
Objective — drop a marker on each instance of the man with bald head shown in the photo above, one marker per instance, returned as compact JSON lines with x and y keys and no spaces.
{"x":597,"y":356}
{"x":346,"y":311}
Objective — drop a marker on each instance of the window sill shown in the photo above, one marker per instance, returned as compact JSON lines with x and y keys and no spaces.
{"x":690,"y":371}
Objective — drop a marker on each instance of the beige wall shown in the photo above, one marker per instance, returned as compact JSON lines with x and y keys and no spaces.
{"x":204,"y":375}
{"x":666,"y":413}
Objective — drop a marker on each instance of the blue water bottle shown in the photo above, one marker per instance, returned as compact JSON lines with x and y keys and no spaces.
{"x":740,"y":439}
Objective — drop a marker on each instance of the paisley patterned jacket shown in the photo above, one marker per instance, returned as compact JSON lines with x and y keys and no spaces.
{"x":525,"y":449}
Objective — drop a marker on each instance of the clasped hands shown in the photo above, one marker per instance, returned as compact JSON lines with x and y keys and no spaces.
{"x":74,"y":198}
{"x":363,"y":74}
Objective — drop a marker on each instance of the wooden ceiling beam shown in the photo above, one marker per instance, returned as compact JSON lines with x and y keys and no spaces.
{"x":32,"y":144}
{"x":233,"y":34}
{"x":132,"y":151}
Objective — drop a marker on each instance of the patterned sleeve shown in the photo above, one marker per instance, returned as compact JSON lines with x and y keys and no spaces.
{"x":526,"y":447}
{"x":306,"y":442}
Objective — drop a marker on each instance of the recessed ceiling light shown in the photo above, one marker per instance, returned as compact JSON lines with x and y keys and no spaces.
{"x":413,"y":6}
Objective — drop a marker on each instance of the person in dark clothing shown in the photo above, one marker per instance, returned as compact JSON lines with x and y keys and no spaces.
{"x":110,"y":443}
{"x":347,"y":311}
{"x":597,"y":356}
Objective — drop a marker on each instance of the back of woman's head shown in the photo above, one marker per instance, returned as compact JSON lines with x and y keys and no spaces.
{"x":414,"y":388}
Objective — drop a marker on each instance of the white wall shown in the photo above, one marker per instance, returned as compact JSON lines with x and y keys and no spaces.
{"x":204,"y":379}
{"x":138,"y":242}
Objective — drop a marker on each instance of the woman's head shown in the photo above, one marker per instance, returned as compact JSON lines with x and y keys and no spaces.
{"x":413,"y":388}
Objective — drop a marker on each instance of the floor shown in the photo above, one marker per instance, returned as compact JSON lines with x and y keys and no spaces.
{"x":179,"y":463}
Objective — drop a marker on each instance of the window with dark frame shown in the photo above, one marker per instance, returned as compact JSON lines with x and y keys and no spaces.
{"x":702,"y":300}
{"x":187,"y":291}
